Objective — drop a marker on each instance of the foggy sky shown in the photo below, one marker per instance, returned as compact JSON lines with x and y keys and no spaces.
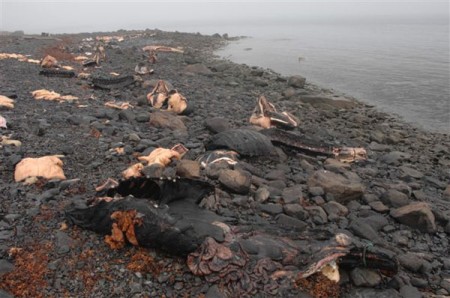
{"x":87,"y":16}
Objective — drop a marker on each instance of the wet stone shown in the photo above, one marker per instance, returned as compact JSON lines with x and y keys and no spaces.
{"x":292,"y":194}
{"x":372,"y":293}
{"x":379,"y":206}
{"x":276,"y":175}
{"x":419,"y":282}
{"x":236,"y":181}
{"x":6,"y":234}
{"x":290,"y":222}
{"x":394,"y":158}
{"x":342,"y":189}
{"x":362,"y":229}
{"x":10,"y":218}
{"x":5,"y":266}
{"x":394,"y":198}
{"x":296,"y":81}
{"x":188,"y":168}
{"x":335,"y":210}
{"x":262,"y":194}
{"x":408,"y":172}
{"x":214,"y":292}
{"x":411,"y":261}
{"x":4,"y":294}
{"x":377,"y":222}
{"x":217,"y":124}
{"x":416,"y":215}
{"x":271,"y":208}
{"x":365,"y":277}
{"x":295,"y":210}
{"x":317,"y":214}
{"x":410,"y":292}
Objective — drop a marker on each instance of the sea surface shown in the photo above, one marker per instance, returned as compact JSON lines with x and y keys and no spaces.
{"x":401,"y":68}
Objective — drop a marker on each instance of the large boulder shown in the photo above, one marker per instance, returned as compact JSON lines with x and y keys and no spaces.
{"x":416,"y":215}
{"x":341,"y":188}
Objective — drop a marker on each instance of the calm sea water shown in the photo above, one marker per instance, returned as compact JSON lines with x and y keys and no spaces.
{"x":400,"y":68}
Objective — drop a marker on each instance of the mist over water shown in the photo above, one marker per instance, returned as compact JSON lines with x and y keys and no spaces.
{"x":394,"y":55}
{"x":400,"y":68}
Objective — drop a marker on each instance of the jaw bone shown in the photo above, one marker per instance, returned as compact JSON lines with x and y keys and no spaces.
{"x":266,"y":116}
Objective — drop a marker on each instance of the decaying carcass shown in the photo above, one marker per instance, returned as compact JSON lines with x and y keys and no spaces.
{"x":266,"y":115}
{"x":243,"y":260}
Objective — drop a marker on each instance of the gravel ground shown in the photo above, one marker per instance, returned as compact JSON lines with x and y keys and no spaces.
{"x":401,"y":204}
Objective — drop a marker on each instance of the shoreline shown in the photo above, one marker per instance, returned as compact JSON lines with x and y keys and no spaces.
{"x":404,"y":102}
{"x":406,"y":168}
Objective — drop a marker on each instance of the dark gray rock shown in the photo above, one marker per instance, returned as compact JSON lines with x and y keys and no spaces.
{"x":276,"y":175}
{"x":290,"y":222}
{"x":292,"y":194}
{"x":411,"y":261}
{"x":296,"y":81}
{"x":446,"y":193}
{"x":316,"y":191}
{"x":394,"y":198}
{"x":217,"y":124}
{"x":416,"y":215}
{"x":372,"y":293}
{"x":410,"y":292}
{"x":188,"y":168}
{"x":362,"y":277}
{"x":215,"y":292}
{"x":362,"y":229}
{"x":5,"y":266}
{"x":63,"y":242}
{"x":153,"y":171}
{"x":127,"y":115}
{"x":197,"y":69}
{"x":342,"y":189}
{"x":408,"y":172}
{"x":167,"y":120}
{"x":260,"y":82}
{"x":4,"y":294}
{"x":335,"y":210}
{"x":317,"y":214}
{"x":142,"y":117}
{"x":271,"y":208}
{"x":236,"y":181}
{"x":262,"y":194}
{"x":436,"y":182}
{"x":296,"y":210}
{"x":377,"y":222}
{"x":379,"y":206}
{"x":394,"y":158}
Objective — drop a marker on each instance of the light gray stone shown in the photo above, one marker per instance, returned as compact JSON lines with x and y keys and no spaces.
{"x":394,"y":198}
{"x":236,"y":181}
{"x":292,"y":194}
{"x":362,"y":277}
{"x":296,"y":81}
{"x":342,"y":189}
{"x":416,"y":215}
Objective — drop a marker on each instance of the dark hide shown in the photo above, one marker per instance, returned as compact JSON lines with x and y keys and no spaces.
{"x":177,"y":228}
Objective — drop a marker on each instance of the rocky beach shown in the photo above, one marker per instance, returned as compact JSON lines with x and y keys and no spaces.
{"x":394,"y":203}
